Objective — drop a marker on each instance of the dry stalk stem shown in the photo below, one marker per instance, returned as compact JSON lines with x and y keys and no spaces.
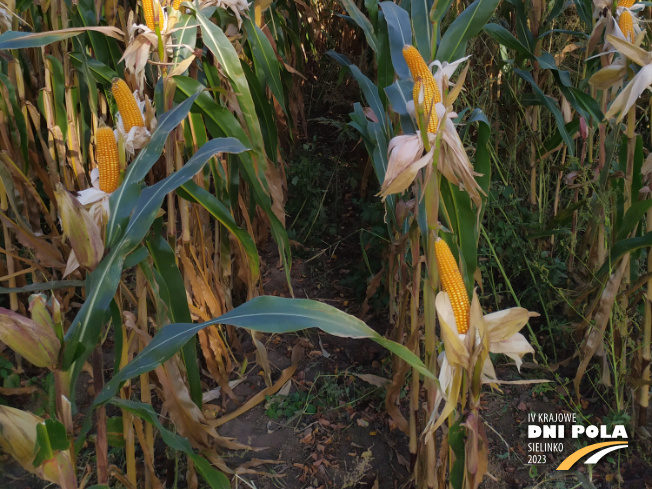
{"x":145,"y":390}
{"x":629,"y":177}
{"x":596,"y":334}
{"x":101,"y":444}
{"x":127,"y":417}
{"x":414,"y":326}
{"x":644,"y":392}
{"x":9,"y":249}
{"x":429,"y":456}
{"x":555,"y":205}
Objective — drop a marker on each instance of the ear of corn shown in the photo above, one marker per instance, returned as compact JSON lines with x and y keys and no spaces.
{"x":148,"y":12}
{"x":106,"y":153}
{"x":626,"y":24}
{"x":626,"y":3}
{"x":423,"y":78}
{"x":127,"y":105}
{"x":176,"y":4}
{"x":452,"y":282}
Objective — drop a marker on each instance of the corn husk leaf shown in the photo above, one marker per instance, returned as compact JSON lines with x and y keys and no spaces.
{"x":80,"y":228}
{"x":628,"y":96}
{"x":39,"y":311}
{"x":514,"y":347}
{"x":457,"y":89}
{"x":18,"y":434}
{"x":453,"y":162}
{"x":504,"y":324}
{"x":638,"y":55}
{"x":456,"y":351}
{"x":609,"y":75}
{"x":35,"y":342}
{"x":405,"y":160}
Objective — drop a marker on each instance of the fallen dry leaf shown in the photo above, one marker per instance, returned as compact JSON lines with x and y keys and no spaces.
{"x":374,"y":380}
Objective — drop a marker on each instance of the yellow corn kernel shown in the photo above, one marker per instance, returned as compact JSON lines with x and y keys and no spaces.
{"x":626,"y":3}
{"x":626,"y":24}
{"x":452,"y":282}
{"x":423,"y":77}
{"x":106,"y":154}
{"x":127,"y":105}
{"x":148,"y":12}
{"x":176,"y":4}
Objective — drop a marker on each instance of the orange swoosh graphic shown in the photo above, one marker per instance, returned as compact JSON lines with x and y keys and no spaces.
{"x":574,"y":457}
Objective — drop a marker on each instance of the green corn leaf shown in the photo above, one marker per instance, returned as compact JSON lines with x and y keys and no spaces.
{"x":51,"y":285}
{"x":400,"y":34}
{"x":101,"y":72}
{"x":585,"y":11}
{"x":482,"y":160}
{"x":264,"y":109}
{"x":457,"y":438}
{"x":103,"y":281}
{"x":385,"y":72}
{"x":558,"y":6}
{"x":420,"y":13}
{"x":523,"y":32}
{"x":633,"y":217}
{"x":228,"y":124}
{"x":123,"y":199}
{"x":58,"y":92}
{"x":369,"y":89}
{"x":50,"y":437}
{"x":266,"y":314}
{"x":87,"y":88}
{"x":620,"y":249}
{"x":22,"y":40}
{"x":439,"y":10}
{"x":502,"y":36}
{"x":380,"y":144}
{"x":467,"y":25}
{"x":399,"y":94}
{"x":217,"y":42}
{"x":20,"y":124}
{"x":215,"y":478}
{"x":219,"y":211}
{"x":266,"y":57}
{"x":363,"y":22}
{"x":177,"y":302}
{"x":372,"y":8}
{"x":185,"y":37}
{"x":462,"y":217}
{"x":551,"y":105}
{"x":556,"y":139}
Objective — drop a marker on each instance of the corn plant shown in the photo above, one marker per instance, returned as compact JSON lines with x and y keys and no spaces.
{"x":434,"y":200}
{"x":619,"y":262}
{"x":605,"y":201}
{"x":119,"y":122}
{"x":161,"y":162}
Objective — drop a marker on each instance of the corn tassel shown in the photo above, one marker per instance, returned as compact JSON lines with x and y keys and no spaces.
{"x":626,"y":24}
{"x":451,"y":281}
{"x":106,"y":153}
{"x":423,"y":77}
{"x":626,"y":3}
{"x":127,"y":105}
{"x":148,"y":12}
